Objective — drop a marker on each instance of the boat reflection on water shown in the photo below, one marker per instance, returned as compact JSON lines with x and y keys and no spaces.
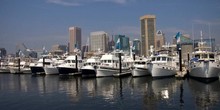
{"x":160,"y":93}
{"x":71,"y":86}
{"x":140,"y":84}
{"x":107,"y":92}
{"x":164,"y":88}
{"x":206,"y":95}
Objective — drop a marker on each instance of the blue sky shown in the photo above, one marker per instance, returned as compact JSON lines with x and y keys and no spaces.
{"x":38,"y":23}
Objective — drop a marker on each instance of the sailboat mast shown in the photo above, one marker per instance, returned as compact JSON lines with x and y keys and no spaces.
{"x":210,"y":39}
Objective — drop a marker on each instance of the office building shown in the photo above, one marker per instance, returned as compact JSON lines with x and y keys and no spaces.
{"x":58,"y":49}
{"x":75,"y":39}
{"x":159,"y":40}
{"x":148,"y":32}
{"x":99,"y":41}
{"x":122,"y":43}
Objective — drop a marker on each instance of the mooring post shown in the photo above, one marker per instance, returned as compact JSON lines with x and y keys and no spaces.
{"x":180,"y":59}
{"x":120,"y":63}
{"x":43,"y":61}
{"x":19,"y":65}
{"x":76,"y":62}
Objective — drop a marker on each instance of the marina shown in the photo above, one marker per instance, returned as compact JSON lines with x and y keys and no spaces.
{"x":25,"y":91}
{"x":109,"y":54}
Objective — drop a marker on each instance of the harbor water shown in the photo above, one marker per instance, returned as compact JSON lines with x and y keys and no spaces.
{"x":55,"y":92}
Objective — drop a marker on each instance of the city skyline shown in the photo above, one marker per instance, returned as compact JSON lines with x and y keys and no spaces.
{"x":45,"y":22}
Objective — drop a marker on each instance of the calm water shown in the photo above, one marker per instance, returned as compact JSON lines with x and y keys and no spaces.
{"x":27,"y":92}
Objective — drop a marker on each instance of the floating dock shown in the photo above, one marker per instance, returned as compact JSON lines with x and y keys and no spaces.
{"x":181,"y":74}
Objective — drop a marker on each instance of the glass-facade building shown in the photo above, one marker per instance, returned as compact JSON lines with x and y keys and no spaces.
{"x":136,"y":48}
{"x":123,"y":42}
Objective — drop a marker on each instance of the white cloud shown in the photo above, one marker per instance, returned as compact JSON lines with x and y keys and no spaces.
{"x":81,"y":2}
{"x":64,"y":2}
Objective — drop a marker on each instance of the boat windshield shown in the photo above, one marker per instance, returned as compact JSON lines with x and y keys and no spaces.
{"x":204,"y":56}
{"x":164,"y":58}
{"x":158,"y":58}
{"x":211,"y":56}
{"x":153,"y":59}
{"x":197,"y":56}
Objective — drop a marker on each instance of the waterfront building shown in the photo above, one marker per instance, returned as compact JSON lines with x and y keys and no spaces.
{"x":111,"y":44}
{"x":75,"y":38}
{"x":123,"y":42}
{"x":136,"y":48}
{"x":58,"y":49}
{"x":186,"y":46}
{"x":159,"y":40}
{"x":99,"y":41}
{"x":3,"y":52}
{"x":148,"y":32}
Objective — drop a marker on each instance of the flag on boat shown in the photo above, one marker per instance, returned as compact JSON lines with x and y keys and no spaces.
{"x":177,"y":37}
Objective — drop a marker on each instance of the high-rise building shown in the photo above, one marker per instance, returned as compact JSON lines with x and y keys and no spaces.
{"x":159,"y":40}
{"x":136,"y":48}
{"x":99,"y":41}
{"x":111,"y":44}
{"x":75,"y":38}
{"x":148,"y":32}
{"x":3,"y":53}
{"x":124,"y":43}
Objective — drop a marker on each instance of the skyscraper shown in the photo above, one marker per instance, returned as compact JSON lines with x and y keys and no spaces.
{"x":159,"y":40}
{"x":148,"y":31}
{"x":75,"y":38}
{"x":99,"y":41}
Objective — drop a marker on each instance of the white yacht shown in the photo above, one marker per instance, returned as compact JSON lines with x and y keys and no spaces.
{"x":163,"y":64}
{"x":110,"y":65}
{"x":71,"y":66}
{"x":22,"y":68}
{"x":204,"y":63}
{"x":90,"y":66}
{"x":4,"y":66}
{"x":140,"y":67}
{"x":38,"y":67}
{"x":52,"y":68}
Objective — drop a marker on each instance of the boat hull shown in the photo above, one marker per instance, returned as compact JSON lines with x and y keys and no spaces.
{"x":37,"y":70}
{"x":88,"y":71}
{"x":137,"y":72}
{"x":158,"y":71}
{"x":4,"y":70}
{"x":22,"y":70}
{"x":106,"y":72}
{"x":204,"y":70}
{"x":51,"y":70}
{"x":68,"y":71}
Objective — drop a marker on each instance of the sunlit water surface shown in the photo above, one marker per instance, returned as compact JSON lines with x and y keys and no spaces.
{"x":54,"y":92}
